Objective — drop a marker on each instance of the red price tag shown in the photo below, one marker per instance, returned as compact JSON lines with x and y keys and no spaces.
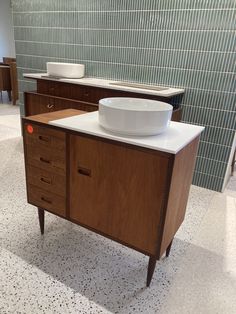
{"x":30,"y":129}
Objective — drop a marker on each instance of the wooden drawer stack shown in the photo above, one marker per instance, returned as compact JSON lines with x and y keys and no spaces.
{"x":45,"y":149}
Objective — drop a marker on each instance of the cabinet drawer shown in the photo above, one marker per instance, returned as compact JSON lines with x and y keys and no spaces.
{"x":44,"y":137}
{"x":46,"y":87}
{"x":54,"y":88}
{"x":45,"y":180}
{"x":72,"y":91}
{"x":37,"y":103}
{"x":46,"y":200}
{"x":46,"y":159}
{"x":64,"y":103}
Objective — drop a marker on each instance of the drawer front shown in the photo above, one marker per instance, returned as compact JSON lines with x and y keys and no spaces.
{"x":46,"y":87}
{"x":36,"y":104}
{"x":54,"y":88}
{"x":46,"y":159}
{"x":45,"y":180}
{"x":46,"y":200}
{"x":44,"y":137}
{"x":73,"y":91}
{"x":64,"y":103}
{"x":66,"y":90}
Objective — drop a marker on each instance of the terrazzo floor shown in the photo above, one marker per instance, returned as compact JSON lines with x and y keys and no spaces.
{"x":72,"y":270}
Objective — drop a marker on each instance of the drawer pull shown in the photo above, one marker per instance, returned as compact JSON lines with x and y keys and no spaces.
{"x":44,"y":160}
{"x":44,"y":138}
{"x":84,"y":171}
{"x":46,"y":180}
{"x":46,"y":200}
{"x":49,"y":106}
{"x":86,"y":94}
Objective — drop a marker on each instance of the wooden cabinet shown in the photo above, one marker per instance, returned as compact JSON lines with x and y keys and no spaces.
{"x":53,"y":96}
{"x":133,"y":195}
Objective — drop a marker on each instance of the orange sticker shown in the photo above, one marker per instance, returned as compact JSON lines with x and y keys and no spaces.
{"x":30,"y":129}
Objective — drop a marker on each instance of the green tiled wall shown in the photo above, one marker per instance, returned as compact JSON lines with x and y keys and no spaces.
{"x":182,"y":43}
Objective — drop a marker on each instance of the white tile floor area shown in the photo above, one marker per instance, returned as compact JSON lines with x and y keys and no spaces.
{"x":72,"y":270}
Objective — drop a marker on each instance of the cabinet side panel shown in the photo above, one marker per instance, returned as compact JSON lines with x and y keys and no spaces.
{"x":118,"y":191}
{"x":178,"y":196}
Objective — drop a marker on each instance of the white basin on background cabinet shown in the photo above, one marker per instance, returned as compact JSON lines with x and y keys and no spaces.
{"x":65,"y":70}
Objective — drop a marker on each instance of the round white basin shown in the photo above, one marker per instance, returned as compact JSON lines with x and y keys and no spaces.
{"x":134,"y":116}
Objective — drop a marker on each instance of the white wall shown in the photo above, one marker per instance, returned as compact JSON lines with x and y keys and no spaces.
{"x":7,"y":44}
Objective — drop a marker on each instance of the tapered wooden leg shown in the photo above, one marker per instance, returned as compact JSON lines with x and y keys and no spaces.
{"x":168,"y":249}
{"x":41,"y":215}
{"x":151,"y":268}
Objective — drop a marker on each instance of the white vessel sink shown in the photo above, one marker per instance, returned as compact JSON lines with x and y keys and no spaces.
{"x":134,"y":116}
{"x":66,"y":70}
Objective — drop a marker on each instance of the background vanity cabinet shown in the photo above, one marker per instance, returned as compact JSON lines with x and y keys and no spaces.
{"x":54,"y":95}
{"x":133,"y":195}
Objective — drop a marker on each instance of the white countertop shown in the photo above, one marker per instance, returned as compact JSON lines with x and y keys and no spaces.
{"x":177,"y":136}
{"x":90,"y":81}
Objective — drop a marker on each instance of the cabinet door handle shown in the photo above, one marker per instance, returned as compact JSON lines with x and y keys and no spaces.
{"x":84,"y":171}
{"x":49,"y":106}
{"x":44,"y":138}
{"x":44,"y":160}
{"x":46,"y":180}
{"x":46,"y":200}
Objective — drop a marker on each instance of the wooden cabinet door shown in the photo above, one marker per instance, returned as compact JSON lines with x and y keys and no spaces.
{"x":118,"y":191}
